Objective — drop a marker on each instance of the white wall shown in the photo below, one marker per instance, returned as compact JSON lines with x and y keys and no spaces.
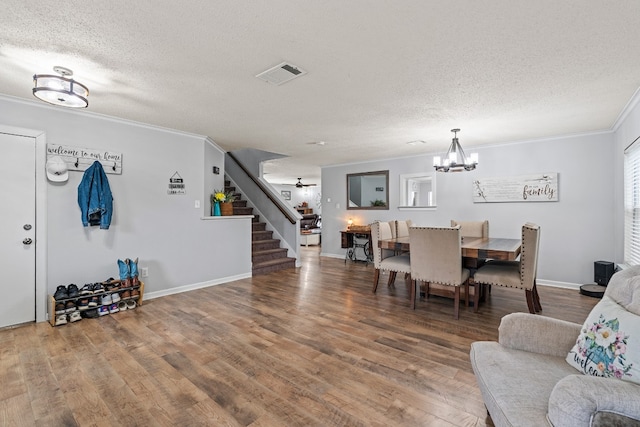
{"x":165,"y":231}
{"x":575,"y":231}
{"x":311,"y":195}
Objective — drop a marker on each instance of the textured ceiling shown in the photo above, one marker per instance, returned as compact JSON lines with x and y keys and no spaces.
{"x":380,"y":73}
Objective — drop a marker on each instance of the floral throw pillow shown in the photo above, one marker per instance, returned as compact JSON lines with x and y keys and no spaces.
{"x":609,"y":343}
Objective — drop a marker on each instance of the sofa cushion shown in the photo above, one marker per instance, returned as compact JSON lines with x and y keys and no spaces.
{"x":511,"y":385}
{"x":609,"y":343}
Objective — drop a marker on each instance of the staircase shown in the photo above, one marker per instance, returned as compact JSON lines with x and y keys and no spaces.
{"x":266,"y":254}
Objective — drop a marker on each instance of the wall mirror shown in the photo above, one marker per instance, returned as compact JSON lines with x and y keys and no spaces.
{"x":368,"y":190}
{"x":418,"y":190}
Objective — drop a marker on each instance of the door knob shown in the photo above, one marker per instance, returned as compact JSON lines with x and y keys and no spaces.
{"x":27,"y":241}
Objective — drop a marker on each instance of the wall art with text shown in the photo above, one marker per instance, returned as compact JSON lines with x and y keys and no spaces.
{"x":541,"y":187}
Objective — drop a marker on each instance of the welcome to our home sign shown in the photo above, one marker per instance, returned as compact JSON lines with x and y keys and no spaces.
{"x":524,"y":188}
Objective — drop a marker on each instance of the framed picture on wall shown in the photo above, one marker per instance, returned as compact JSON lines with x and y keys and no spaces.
{"x":286,"y":194}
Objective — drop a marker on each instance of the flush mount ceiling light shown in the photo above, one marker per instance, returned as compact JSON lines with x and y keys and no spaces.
{"x":455,"y":160}
{"x":60,"y":90}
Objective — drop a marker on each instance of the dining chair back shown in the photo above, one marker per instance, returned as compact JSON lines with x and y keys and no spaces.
{"x":436,"y":257}
{"x":386,"y":259}
{"x":472,"y":228}
{"x":517,"y":274}
{"x":402,"y":228}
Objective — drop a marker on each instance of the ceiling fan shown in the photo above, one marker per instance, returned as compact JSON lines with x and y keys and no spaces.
{"x":299,"y":184}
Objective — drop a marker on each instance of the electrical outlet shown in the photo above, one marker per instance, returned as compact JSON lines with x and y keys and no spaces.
{"x":144,"y":271}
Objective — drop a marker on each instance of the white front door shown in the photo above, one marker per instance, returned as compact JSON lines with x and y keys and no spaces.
{"x":18,"y":230}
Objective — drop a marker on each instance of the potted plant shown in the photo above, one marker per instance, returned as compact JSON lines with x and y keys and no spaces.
{"x":222,"y":202}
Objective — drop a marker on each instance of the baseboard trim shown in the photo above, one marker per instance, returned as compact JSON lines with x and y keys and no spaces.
{"x":194,"y":286}
{"x":555,"y":284}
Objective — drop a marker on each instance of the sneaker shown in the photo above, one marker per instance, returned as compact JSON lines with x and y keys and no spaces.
{"x":113,"y":308}
{"x":122,"y":305}
{"x":103,"y":310}
{"x":61,"y":293}
{"x":60,"y":308}
{"x":115,"y":297}
{"x":98,"y":288}
{"x":126,"y":294}
{"x":70,"y":306}
{"x":90,"y":314}
{"x":93,"y":301}
{"x":106,"y":299}
{"x":61,"y":319}
{"x":75,"y":316}
{"x":131,"y":304}
{"x":83,"y":304}
{"x":87,"y":289}
{"x":73,"y":291}
{"x":135,"y":292}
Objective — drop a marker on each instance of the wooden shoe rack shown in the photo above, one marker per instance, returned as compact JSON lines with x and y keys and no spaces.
{"x":137,"y":299}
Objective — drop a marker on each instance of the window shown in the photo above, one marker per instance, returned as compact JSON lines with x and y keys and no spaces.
{"x":632,"y":203}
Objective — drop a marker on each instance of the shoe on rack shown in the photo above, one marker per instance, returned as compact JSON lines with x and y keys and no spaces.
{"x":113,"y":308}
{"x":87,"y":289}
{"x":122,"y":306}
{"x":125,"y":275}
{"x":75,"y":316}
{"x":70,"y":306}
{"x":131,"y":304}
{"x":93,"y":301}
{"x":111,"y":287}
{"x":133,"y":271}
{"x":61,"y":319}
{"x":135,"y":292}
{"x":60,"y":308}
{"x":73,"y":291}
{"x":83,"y":304}
{"x":115,"y":297}
{"x":61,"y":293}
{"x":103,"y":310}
{"x":126,"y":294}
{"x":90,"y":314}
{"x":98,"y":288}
{"x":106,"y":299}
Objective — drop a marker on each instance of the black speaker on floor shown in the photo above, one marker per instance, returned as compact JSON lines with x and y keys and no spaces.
{"x":602,"y":272}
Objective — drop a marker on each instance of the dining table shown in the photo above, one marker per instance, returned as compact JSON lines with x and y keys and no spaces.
{"x":473,"y":248}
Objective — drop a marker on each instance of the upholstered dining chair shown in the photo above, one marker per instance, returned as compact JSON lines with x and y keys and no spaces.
{"x":386,"y":259}
{"x":516,"y":274}
{"x":472,"y":228}
{"x":402,"y":228}
{"x":436,"y":257}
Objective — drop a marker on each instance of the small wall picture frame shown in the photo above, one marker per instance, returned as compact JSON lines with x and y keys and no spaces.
{"x":286,"y":194}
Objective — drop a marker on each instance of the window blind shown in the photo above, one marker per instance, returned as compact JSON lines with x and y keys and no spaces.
{"x":632,"y":204}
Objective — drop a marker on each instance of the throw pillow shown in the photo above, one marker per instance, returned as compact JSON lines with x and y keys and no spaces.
{"x":609,"y":343}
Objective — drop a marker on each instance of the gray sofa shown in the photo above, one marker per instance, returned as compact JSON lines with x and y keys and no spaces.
{"x":525,"y":379}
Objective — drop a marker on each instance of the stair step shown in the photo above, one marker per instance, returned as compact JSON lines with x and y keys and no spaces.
{"x":273,"y":265}
{"x":258,"y":226}
{"x":261,"y":245}
{"x":240,"y":203}
{"x":243,"y":211}
{"x":268,"y":254}
{"x":261,"y":235}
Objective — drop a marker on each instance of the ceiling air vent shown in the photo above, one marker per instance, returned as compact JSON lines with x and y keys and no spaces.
{"x":281,"y":73}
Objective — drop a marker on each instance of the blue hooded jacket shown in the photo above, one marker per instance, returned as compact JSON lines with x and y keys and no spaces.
{"x":94,"y":197}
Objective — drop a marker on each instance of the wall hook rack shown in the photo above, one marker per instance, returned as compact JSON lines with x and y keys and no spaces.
{"x":79,"y":159}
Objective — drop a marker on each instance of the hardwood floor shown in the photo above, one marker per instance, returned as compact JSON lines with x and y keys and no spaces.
{"x":306,"y":347}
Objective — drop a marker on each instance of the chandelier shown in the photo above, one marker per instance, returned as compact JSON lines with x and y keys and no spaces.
{"x":60,"y":90}
{"x":455,"y":160}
